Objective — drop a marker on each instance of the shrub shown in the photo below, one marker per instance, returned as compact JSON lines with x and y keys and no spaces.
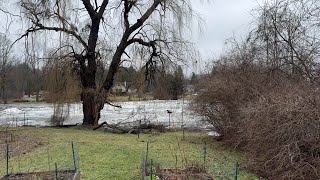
{"x":270,"y":115}
{"x":283,"y":131}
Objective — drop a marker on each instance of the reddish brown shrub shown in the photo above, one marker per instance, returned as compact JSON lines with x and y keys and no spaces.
{"x":283,"y":132}
{"x":274,"y":118}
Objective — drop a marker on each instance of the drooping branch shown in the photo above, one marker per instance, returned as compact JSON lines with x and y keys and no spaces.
{"x":40,"y":27}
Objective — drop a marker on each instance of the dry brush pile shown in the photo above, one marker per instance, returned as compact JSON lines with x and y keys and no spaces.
{"x":273,"y":117}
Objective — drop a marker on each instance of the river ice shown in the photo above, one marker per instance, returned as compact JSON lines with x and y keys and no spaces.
{"x":39,"y":114}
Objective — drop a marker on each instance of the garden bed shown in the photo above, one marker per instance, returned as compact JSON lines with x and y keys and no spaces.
{"x":191,"y":173}
{"x":49,"y":175}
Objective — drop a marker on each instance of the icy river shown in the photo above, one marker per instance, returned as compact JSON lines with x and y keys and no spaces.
{"x":39,"y":114}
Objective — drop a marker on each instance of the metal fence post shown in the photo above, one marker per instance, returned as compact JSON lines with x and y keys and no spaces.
{"x":74,"y":158}
{"x":147,"y":152}
{"x":7,"y":154}
{"x":56,"y":171}
{"x":236,"y":171}
{"x":204,"y":154}
{"x":151,"y":169}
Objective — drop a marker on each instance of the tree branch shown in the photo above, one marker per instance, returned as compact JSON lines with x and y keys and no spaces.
{"x":40,"y":27}
{"x":103,"y":8}
{"x":87,"y":4}
{"x":151,"y":44}
{"x":144,"y":17}
{"x":298,"y":56}
{"x":127,"y":7}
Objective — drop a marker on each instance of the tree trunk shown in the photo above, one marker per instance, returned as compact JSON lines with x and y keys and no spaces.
{"x":92,"y":103}
{"x":4,"y":95}
{"x":37,"y":96}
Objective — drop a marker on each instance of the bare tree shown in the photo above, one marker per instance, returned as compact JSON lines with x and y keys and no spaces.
{"x":149,"y":31}
{"x":287,"y":36}
{"x":5,"y":62}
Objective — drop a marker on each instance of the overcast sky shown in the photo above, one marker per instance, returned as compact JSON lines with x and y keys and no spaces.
{"x":223,"y":19}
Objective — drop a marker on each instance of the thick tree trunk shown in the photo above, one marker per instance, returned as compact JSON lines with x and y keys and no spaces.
{"x":92,"y":103}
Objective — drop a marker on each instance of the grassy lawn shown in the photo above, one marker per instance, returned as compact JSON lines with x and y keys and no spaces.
{"x":111,"y":156}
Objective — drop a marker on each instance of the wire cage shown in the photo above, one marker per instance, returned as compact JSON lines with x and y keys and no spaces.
{"x":58,"y":161}
{"x":198,"y":164}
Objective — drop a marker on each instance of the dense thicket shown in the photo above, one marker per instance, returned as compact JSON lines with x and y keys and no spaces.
{"x":263,"y":95}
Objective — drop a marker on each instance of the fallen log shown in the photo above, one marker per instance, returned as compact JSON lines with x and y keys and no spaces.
{"x":67,"y":125}
{"x":99,"y":126}
{"x":125,"y":129}
{"x":142,"y":128}
{"x":57,"y":126}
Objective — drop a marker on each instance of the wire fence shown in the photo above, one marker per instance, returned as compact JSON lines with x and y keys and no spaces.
{"x":198,"y":164}
{"x":58,"y":161}
{"x":17,"y":122}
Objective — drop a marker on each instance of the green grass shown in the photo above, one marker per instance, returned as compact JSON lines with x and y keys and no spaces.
{"x":110,"y":156}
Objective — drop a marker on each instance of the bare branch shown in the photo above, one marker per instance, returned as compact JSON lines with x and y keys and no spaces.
{"x":114,"y":105}
{"x":87,"y":4}
{"x":144,"y":17}
{"x":40,"y":27}
{"x":103,"y":7}
{"x":140,"y":41}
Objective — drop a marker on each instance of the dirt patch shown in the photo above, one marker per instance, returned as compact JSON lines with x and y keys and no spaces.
{"x":19,"y":141}
{"x":191,"y":173}
{"x":49,"y":175}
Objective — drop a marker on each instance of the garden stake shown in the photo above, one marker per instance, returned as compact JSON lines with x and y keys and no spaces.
{"x":205,"y":154}
{"x":236,"y":171}
{"x":182,"y":116}
{"x":56,"y":171}
{"x":48,"y":155}
{"x":139,"y":129}
{"x":147,"y":151}
{"x":183,"y":136}
{"x":169,"y":112}
{"x":7,"y":158}
{"x":73,"y":155}
{"x":176,"y":162}
{"x":143,"y":165}
{"x":151,"y":169}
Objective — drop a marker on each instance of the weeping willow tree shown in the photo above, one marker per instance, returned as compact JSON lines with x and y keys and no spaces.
{"x":63,"y":88}
{"x":147,"y":32}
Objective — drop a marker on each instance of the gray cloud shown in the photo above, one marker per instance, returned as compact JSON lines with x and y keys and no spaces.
{"x":223,"y":19}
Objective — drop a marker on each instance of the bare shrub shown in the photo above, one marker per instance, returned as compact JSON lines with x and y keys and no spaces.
{"x":274,"y":117}
{"x":283,"y":131}
{"x":226,"y":91}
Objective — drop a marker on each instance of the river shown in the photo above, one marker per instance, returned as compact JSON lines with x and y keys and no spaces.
{"x":39,"y":114}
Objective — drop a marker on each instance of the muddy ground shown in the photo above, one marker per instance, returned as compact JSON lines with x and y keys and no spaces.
{"x":19,"y":142}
